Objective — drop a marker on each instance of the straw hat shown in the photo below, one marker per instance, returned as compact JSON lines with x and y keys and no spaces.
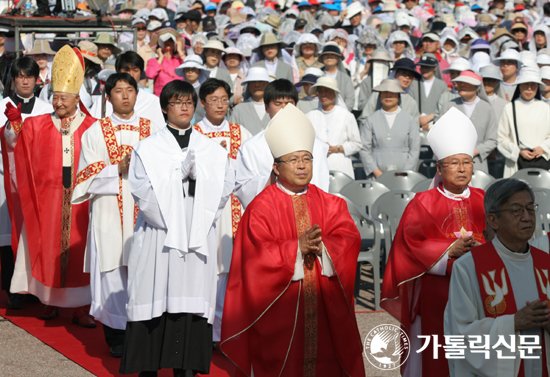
{"x":325,"y":82}
{"x":89,"y":51}
{"x":289,"y":131}
{"x":107,"y":39}
{"x":469,"y":77}
{"x":191,"y":61}
{"x":389,"y":85}
{"x":269,"y":39}
{"x":499,"y":33}
{"x":41,"y":46}
{"x":214,"y":45}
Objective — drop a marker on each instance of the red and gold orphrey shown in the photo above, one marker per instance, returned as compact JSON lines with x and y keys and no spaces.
{"x":116,"y":152}
{"x":310,"y":289}
{"x":234,"y":135}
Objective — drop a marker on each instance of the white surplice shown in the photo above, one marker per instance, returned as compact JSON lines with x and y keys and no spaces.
{"x":109,"y":236}
{"x":147,"y":106}
{"x":465,"y":315}
{"x":173,"y":259}
{"x":40,"y":107}
{"x":255,"y":163}
{"x":337,"y":127}
{"x":542,"y":243}
{"x":224,"y":225}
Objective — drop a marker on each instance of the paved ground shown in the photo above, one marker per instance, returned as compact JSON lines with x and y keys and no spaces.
{"x":18,"y":348}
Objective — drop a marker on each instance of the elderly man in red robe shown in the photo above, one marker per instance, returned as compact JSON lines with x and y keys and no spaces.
{"x":292,"y":274}
{"x":437,"y":227}
{"x":50,"y":251}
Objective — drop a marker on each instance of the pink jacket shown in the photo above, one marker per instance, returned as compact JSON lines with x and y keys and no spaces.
{"x":163,"y":74}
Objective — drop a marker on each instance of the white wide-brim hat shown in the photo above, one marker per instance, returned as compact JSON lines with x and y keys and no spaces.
{"x":509,"y":54}
{"x":257,"y":74}
{"x":389,"y":85}
{"x":353,"y":9}
{"x":529,"y":74}
{"x":490,"y":72}
{"x":214,"y":45}
{"x":545,"y":73}
{"x":459,"y":64}
{"x":326,"y":82}
{"x":543,"y":59}
{"x":469,"y":77}
{"x":191,"y":61}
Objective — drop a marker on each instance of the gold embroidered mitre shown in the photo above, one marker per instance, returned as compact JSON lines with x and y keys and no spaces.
{"x":67,"y":70}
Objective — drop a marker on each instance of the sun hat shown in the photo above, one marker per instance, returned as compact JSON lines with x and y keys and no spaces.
{"x":389,"y":85}
{"x":126,"y":7}
{"x":234,"y":50}
{"x":545,"y":73}
{"x":158,"y":13}
{"x":164,"y":38}
{"x":191,"y":61}
{"x":89,"y":51}
{"x":107,"y":39}
{"x":459,"y":64}
{"x":310,"y":76}
{"x":529,"y":74}
{"x":381,"y":54}
{"x":402,"y":19}
{"x":509,"y":54}
{"x":273,"y":21}
{"x":257,"y":74}
{"x":354,"y":8}
{"x":490,"y":72}
{"x":407,"y":65}
{"x":543,"y":59}
{"x":326,"y":82}
{"x":469,"y":77}
{"x":214,"y":45}
{"x":331,"y":48}
{"x":428,"y":60}
{"x":433,"y":36}
{"x":480,"y":44}
{"x":269,"y":39}
{"x":137,"y":21}
{"x":41,"y":46}
{"x":307,"y":38}
{"x":300,"y":23}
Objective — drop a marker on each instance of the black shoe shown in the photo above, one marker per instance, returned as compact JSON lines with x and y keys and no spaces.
{"x":31,"y":299}
{"x":116,"y":351}
{"x":148,"y":374}
{"x":16,"y":301}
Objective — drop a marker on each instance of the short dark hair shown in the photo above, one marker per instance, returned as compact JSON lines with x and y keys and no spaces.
{"x":500,"y":192}
{"x":25,"y":65}
{"x":211,"y":85}
{"x":546,"y":9}
{"x":278,"y":89}
{"x":116,"y":77}
{"x":129,"y":59}
{"x":177,"y":88}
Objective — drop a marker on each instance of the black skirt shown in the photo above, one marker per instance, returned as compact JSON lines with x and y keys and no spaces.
{"x":175,"y":341}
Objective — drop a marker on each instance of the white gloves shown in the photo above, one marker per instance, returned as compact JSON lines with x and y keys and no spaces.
{"x":188,"y":168}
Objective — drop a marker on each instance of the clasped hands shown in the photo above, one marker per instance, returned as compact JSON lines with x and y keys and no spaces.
{"x":462,"y":246}
{"x":188,"y":166}
{"x":310,"y":241}
{"x":124,"y":163}
{"x":534,"y":314}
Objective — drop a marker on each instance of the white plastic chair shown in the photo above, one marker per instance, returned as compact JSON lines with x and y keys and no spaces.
{"x":481,"y":180}
{"x":422,"y":185}
{"x":337,"y":180}
{"x":535,"y":177}
{"x":400,"y":179}
{"x":542,"y":198}
{"x":364,"y":193}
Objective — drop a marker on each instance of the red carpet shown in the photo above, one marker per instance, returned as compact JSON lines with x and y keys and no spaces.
{"x":85,"y":347}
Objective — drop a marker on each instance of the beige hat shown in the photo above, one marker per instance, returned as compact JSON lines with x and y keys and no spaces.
{"x":41,"y":46}
{"x":214,"y":45}
{"x":290,"y":131}
{"x":454,"y":133}
{"x":389,"y":6}
{"x":273,"y":21}
{"x":326,"y":82}
{"x":353,"y":9}
{"x":89,"y":51}
{"x":389,"y":85}
{"x":381,"y":54}
{"x":107,"y":39}
{"x":269,"y":39}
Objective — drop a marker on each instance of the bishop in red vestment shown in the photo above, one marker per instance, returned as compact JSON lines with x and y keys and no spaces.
{"x":50,"y":255}
{"x":437,"y":227}
{"x":292,"y":274}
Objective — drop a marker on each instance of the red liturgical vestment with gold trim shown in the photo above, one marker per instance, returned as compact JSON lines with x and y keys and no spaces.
{"x":276,"y":326}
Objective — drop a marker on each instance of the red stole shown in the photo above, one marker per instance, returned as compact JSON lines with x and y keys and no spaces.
{"x":234,"y":134}
{"x":491,"y":272}
{"x":56,"y":229}
{"x":116,"y":153}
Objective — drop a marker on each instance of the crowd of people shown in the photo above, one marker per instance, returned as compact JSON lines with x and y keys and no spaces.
{"x":174,"y":187}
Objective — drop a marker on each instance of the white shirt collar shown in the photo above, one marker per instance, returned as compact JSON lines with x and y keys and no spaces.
{"x":465,"y":194}
{"x":287,"y":191}
{"x":116,"y":120}
{"x":222,"y":127}
{"x":509,"y":254}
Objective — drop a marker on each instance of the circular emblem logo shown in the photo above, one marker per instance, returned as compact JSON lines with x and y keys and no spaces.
{"x":387,"y":347}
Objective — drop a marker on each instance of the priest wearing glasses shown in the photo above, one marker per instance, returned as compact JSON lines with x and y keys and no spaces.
{"x":437,"y":227}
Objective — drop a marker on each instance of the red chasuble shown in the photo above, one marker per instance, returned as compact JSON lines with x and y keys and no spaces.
{"x":56,"y":229}
{"x":430,"y":224}
{"x":275,"y":326}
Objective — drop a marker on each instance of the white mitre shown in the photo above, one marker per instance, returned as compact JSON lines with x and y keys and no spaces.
{"x":290,"y":131}
{"x":454,"y":133}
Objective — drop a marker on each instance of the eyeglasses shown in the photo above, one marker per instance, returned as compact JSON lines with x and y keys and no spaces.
{"x":179,"y":105}
{"x":517,"y":210}
{"x":293,"y":161}
{"x":215,"y":101}
{"x":455,"y":164}
{"x":143,"y":28}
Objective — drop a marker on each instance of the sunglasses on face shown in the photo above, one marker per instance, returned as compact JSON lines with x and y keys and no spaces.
{"x":142,"y":28}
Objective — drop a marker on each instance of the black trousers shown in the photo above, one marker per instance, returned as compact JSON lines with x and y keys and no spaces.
{"x":7,"y":265}
{"x":113,"y":337}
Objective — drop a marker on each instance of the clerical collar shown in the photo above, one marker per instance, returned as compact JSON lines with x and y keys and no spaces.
{"x":465,"y":194}
{"x":24,"y":100}
{"x":27,"y":104}
{"x":176,"y":131}
{"x":287,"y":191}
{"x":119,"y":120}
{"x":207,"y":123}
{"x":509,"y":254}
